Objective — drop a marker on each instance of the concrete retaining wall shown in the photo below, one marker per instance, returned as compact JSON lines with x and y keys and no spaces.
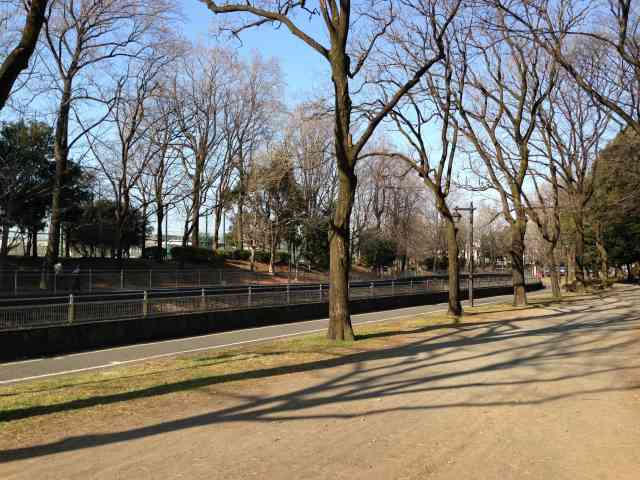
{"x":57,"y":340}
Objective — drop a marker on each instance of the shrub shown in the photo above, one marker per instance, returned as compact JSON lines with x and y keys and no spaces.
{"x":262,"y":256}
{"x":283,"y":257}
{"x":197,"y":255}
{"x":238,"y":254}
{"x":154,"y":253}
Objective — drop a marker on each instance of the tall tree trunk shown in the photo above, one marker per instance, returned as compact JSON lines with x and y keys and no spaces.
{"x":4,"y":243}
{"x":579,"y":252}
{"x":571,"y":265}
{"x":67,"y":247}
{"x":196,"y":202}
{"x":455,"y":307}
{"x":216,"y":229}
{"x":517,"y":261}
{"x":195,"y":231}
{"x":241,"y":220}
{"x":34,"y":242}
{"x":60,"y":153}
{"x":143,"y":247}
{"x":340,"y":327}
{"x":555,"y":275}
{"x":159,"y":220}
{"x":118,"y":241}
{"x":604,"y":260}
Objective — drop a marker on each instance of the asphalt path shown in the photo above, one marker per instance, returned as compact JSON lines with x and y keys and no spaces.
{"x":97,"y":359}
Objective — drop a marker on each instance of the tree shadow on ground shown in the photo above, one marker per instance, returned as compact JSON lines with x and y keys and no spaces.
{"x":459,"y":357}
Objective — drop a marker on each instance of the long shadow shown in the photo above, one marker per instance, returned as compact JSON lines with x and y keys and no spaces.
{"x":367,"y":378}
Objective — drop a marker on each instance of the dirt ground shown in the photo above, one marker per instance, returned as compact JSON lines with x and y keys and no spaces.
{"x":548,"y":393}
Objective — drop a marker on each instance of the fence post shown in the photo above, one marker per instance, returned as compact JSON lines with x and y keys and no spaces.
{"x":288,"y":295}
{"x":393,"y":287}
{"x":199,"y":279}
{"x":90,"y":280}
{"x":121,"y":279}
{"x":203,"y":300}
{"x":71,"y":314}
{"x":176,"y":279}
{"x":320,"y":292}
{"x":411,"y":283}
{"x":249,"y":297}
{"x":220,"y":273}
{"x":371,"y":288}
{"x":145,"y":304}
{"x":15,"y":283}
{"x":55,"y":283}
{"x":150,"y":279}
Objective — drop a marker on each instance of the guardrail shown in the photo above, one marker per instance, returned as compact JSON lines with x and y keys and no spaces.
{"x":71,"y":313}
{"x":34,"y":282}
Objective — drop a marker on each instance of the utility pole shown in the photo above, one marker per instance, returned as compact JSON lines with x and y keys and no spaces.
{"x":469,"y":209}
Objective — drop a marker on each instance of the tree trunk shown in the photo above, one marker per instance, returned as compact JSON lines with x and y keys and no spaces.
{"x":4,"y":243}
{"x":67,"y":247}
{"x":555,"y":276}
{"x":579,"y":252}
{"x":196,"y":202}
{"x":195,"y":231}
{"x":455,"y":307}
{"x":517,"y":262}
{"x":216,"y":234}
{"x":143,"y":247}
{"x":159,"y":220}
{"x":604,"y":260}
{"x":241,"y":220}
{"x":340,"y":327}
{"x":60,"y":153}
{"x":34,"y":242}
{"x":571,"y":265}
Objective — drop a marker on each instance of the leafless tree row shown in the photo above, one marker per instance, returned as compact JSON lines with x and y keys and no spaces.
{"x":518,"y":96}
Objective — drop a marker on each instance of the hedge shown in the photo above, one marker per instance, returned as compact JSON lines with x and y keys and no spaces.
{"x":197,"y":255}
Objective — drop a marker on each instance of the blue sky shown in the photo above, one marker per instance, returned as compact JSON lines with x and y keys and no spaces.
{"x":304,"y":69}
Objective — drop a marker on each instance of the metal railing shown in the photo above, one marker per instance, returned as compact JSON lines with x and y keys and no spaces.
{"x":73,"y":312}
{"x":34,"y":282}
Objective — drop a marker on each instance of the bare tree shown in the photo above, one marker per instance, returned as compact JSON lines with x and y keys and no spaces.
{"x":428,"y":18}
{"x":423,"y":108}
{"x":162,"y":175}
{"x":499,"y":94}
{"x":545,"y":214}
{"x":574,"y":128}
{"x":200,"y":96}
{"x":18,"y":59}
{"x":81,"y":37}
{"x":124,"y":158}
{"x":596,"y":43}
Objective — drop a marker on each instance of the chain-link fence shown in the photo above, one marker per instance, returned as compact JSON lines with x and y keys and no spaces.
{"x":72,"y":312}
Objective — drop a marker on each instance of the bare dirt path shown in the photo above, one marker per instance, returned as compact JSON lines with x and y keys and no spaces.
{"x":548,"y":394}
